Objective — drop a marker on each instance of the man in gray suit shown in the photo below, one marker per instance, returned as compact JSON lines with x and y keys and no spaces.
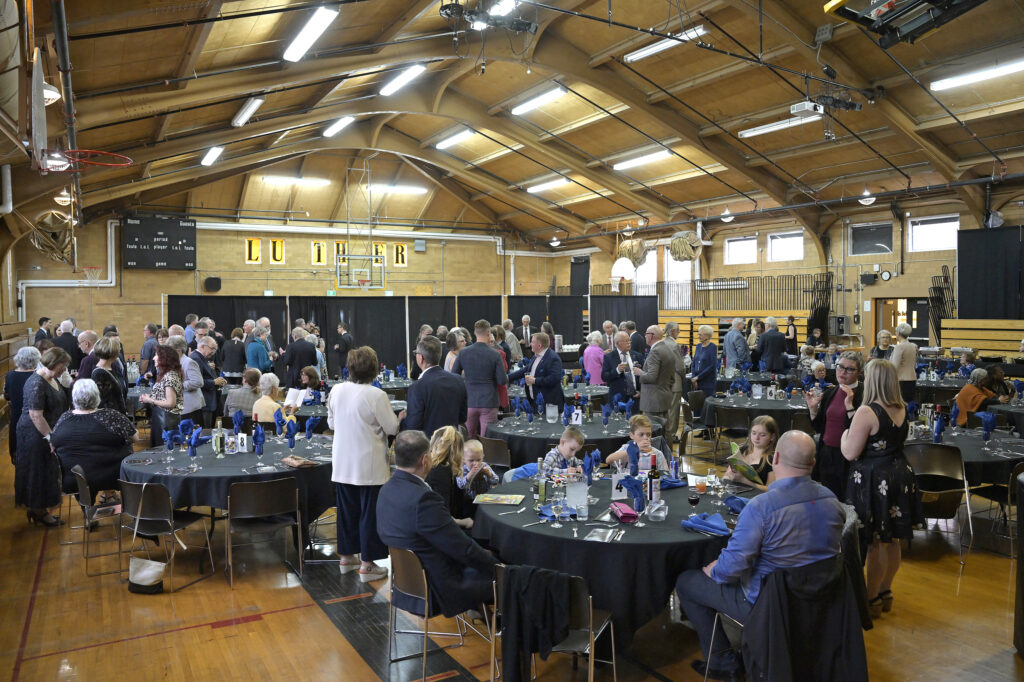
{"x":672,"y":420}
{"x":484,"y":371}
{"x":658,"y":375}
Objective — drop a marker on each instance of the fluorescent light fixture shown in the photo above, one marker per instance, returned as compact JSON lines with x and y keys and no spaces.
{"x":64,"y":198}
{"x":545,"y":186}
{"x":662,"y":45}
{"x":778,"y":125}
{"x":401,"y":80}
{"x":291,"y":180}
{"x":212,"y":154}
{"x":866,"y":199}
{"x":246,"y":112}
{"x":338,"y":125}
{"x":501,"y":8}
{"x":316,"y":25}
{"x":453,"y":140}
{"x":641,"y":160}
{"x":479,"y":26}
{"x":727,"y":216}
{"x":50,"y":94}
{"x":980,"y":75}
{"x":397,"y":189}
{"x":555,"y":241}
{"x":538,"y":101}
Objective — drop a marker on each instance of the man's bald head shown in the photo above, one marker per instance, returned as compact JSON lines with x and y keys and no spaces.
{"x":657,"y":331}
{"x":794,"y":455}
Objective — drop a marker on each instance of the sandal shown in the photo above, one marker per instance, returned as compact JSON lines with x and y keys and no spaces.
{"x":887,"y":599}
{"x":875,"y":607}
{"x":349,"y":566}
{"x":108,"y":499}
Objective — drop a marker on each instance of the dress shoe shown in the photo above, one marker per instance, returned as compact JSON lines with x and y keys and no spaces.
{"x":716,"y":674}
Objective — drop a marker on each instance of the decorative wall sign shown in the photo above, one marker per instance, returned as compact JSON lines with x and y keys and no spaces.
{"x":318,"y":253}
{"x":401,"y":258}
{"x":253,"y":251}
{"x":277,"y":252}
{"x":380,"y":252}
{"x":340,"y":250}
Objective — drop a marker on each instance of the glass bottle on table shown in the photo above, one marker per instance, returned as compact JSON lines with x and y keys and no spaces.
{"x":654,"y":481}
{"x":218,"y":440}
{"x":536,"y":483}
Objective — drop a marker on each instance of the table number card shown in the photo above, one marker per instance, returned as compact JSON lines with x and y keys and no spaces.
{"x":770,"y":392}
{"x":244,"y":442}
{"x":577,"y":417}
{"x":618,"y":492}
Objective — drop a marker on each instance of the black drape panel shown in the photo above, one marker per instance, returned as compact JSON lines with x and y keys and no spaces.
{"x":231,"y":311}
{"x":375,"y":321}
{"x":566,"y":315}
{"x":432,"y":310}
{"x":989,"y":273}
{"x":640,"y":309}
{"x":473,"y":308}
{"x":534,"y":306}
{"x":579,"y":276}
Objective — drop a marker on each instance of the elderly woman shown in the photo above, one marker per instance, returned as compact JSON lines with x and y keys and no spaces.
{"x":831,"y":413}
{"x":904,"y":359}
{"x":974,"y":397}
{"x":363,"y":414}
{"x":26,"y":360}
{"x":109,"y":381}
{"x":455,"y":342}
{"x":37,"y":470}
{"x":256,"y":355}
{"x":167,"y":395}
{"x":593,"y":358}
{"x":94,"y":437}
{"x":704,"y":368}
{"x":263,"y":409}
{"x":883,"y":348}
{"x":244,"y":397}
{"x":233,"y":353}
{"x":818,"y":371}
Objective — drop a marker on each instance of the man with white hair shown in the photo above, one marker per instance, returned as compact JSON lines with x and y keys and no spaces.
{"x":772,"y":346}
{"x":269,"y":343}
{"x":206,"y":348}
{"x":658,"y":375}
{"x":524,"y":334}
{"x":68,"y":342}
{"x":608,"y":337}
{"x":736,"y":350}
{"x":297,"y":356}
{"x":247,"y":330}
{"x":515,"y":349}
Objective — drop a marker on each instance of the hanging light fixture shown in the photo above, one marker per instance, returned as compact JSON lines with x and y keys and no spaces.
{"x":50,"y":94}
{"x":64,"y":198}
{"x":555,"y":241}
{"x":865,"y":198}
{"x":727,"y":216}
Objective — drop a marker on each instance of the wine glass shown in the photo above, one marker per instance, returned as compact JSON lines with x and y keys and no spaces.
{"x":694,"y":499}
{"x":557,"y":504}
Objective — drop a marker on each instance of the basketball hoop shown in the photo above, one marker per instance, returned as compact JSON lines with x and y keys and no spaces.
{"x":614,"y":281}
{"x":364,"y":284}
{"x":72,"y":160}
{"x":92,"y":273}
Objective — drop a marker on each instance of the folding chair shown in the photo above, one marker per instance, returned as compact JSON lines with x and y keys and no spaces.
{"x":731,"y":422}
{"x":262,"y":507}
{"x":939,"y":470}
{"x":92,"y":514}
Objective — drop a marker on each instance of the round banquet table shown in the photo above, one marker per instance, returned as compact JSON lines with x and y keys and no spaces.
{"x":596,"y":394}
{"x":722,"y":383}
{"x":132,"y":399}
{"x":526,"y":446}
{"x":209,"y":486}
{"x":632,"y":578}
{"x":1014,"y":415}
{"x":779,"y":410}
{"x":983,"y":466}
{"x":940,"y":390}
{"x":306,"y":411}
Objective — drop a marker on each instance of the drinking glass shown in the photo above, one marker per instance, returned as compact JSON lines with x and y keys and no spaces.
{"x":694,"y":500}
{"x":557,"y":502}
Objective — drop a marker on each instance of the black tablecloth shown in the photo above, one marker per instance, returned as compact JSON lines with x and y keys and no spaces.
{"x":132,"y":399}
{"x":941,"y":390}
{"x":779,"y":410}
{"x":306,"y":411}
{"x":209,"y":486}
{"x":981,"y":466}
{"x":1014,"y":415}
{"x":632,"y":578}
{"x":722,"y":383}
{"x":596,"y":394}
{"x":528,"y":447}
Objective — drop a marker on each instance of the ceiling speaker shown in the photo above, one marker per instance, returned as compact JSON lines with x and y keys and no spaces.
{"x":211,"y":284}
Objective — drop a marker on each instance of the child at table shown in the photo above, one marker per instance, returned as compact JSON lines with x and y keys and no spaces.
{"x":758,"y":451}
{"x":640,"y":431}
{"x":477,"y":477}
{"x":563,"y":456}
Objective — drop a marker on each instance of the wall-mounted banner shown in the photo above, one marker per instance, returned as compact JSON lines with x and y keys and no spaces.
{"x":340,"y":251}
{"x":318,"y":253}
{"x":380,"y":252}
{"x":253,"y":251}
{"x":401,"y":258}
{"x":277,"y":252}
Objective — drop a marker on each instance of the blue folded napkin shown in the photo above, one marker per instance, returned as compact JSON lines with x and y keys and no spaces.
{"x":965,"y":370}
{"x":259,"y":437}
{"x":584,"y":401}
{"x":636,"y":491}
{"x":546,"y":513}
{"x":988,"y":424}
{"x":625,"y":408}
{"x":237,"y":420}
{"x":529,"y":416}
{"x":586,"y":377}
{"x":186,"y":426}
{"x":344,"y":373}
{"x":762,"y":365}
{"x":633,"y":450}
{"x":1018,"y":386}
{"x":311,"y":424}
{"x":912,"y":410}
{"x":668,"y":483}
{"x":377,"y":384}
{"x":950,"y":366}
{"x":279,"y":421}
{"x":195,"y":440}
{"x":940,"y":426}
{"x":736,"y":503}
{"x":173,"y":437}
{"x":313,"y":399}
{"x":808,"y":382}
{"x":789,"y":390}
{"x":528,"y":470}
{"x":955,"y":414}
{"x":539,"y":400}
{"x":400,"y":370}
{"x":290,"y":429}
{"x":709,"y":523}
{"x":745,"y":367}
{"x":591,"y":462}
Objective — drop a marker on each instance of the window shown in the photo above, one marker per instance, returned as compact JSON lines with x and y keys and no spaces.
{"x":741,"y":250}
{"x":934,"y":233}
{"x":645,"y":281}
{"x":870,"y":238}
{"x":786,"y":246}
{"x":679,"y":277}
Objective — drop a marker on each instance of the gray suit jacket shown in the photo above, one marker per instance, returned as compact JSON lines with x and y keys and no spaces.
{"x":193,"y":382}
{"x":658,"y":378}
{"x":677,"y":351}
{"x":484,"y":372}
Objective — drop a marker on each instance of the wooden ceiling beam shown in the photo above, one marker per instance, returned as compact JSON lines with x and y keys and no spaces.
{"x":409,"y":16}
{"x":453,"y":189}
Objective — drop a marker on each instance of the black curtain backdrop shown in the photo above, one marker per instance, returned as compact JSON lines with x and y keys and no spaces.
{"x":473,"y":308}
{"x":989,"y":273}
{"x":579,"y":276}
{"x":641,"y":309}
{"x":231,"y":311}
{"x":432,"y":310}
{"x":566,"y":315}
{"x":534,"y":306}
{"x":377,"y":321}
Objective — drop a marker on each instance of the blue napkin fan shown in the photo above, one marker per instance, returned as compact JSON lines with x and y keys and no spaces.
{"x":808,"y":382}
{"x":955,"y":414}
{"x":912,"y":410}
{"x":606,"y":411}
{"x":591,"y":462}
{"x":988,"y":424}
{"x":625,"y":408}
{"x":279,"y":421}
{"x":634,"y":458}
{"x":745,"y":367}
{"x":789,"y":390}
{"x":196,"y":439}
{"x":173,"y":437}
{"x":290,"y":430}
{"x":313,"y":399}
{"x":566,"y":414}
{"x":344,"y":373}
{"x":740,"y":385}
{"x":965,"y":370}
{"x":237,"y":420}
{"x":377,"y":384}
{"x":586,"y":377}
{"x":400,"y":371}
{"x":1018,"y":385}
{"x":940,"y":426}
{"x":762,"y":365}
{"x":186,"y":427}
{"x":311,"y":424}
{"x":636,"y":491}
{"x":736,"y":503}
{"x":540,"y":402}
{"x":259,"y":437}
{"x":708,"y":523}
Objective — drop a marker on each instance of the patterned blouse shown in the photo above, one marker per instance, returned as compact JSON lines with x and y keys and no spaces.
{"x":171,"y":380}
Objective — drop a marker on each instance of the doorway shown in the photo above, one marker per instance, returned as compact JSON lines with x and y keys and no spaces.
{"x":891,"y":312}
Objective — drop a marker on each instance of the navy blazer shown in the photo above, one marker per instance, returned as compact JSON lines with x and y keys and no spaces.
{"x":436,"y":399}
{"x":548,"y":377}
{"x":638,"y":343}
{"x":610,"y":373}
{"x":484,"y":371}
{"x":772,"y":346}
{"x":298,"y":355}
{"x":412,"y":516}
{"x":209,"y":388}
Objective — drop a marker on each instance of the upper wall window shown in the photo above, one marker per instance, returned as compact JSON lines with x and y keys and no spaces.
{"x":786,"y":246}
{"x":934,"y":233}
{"x":741,"y":250}
{"x":870,"y":238}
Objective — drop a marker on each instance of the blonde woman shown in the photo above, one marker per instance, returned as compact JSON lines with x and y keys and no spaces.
{"x":704,"y":368}
{"x":758,"y":451}
{"x":881,"y":484}
{"x":445,"y":466}
{"x":904,"y":359}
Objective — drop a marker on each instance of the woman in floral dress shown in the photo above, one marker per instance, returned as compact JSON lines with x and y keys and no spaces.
{"x":881,"y":484}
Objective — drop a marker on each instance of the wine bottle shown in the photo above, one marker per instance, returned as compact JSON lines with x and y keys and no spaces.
{"x":654,"y":480}
{"x":535,"y":485}
{"x":218,"y":439}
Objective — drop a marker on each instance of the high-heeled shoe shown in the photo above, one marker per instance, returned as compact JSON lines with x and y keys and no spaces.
{"x":887,"y":600}
{"x":44,"y":518}
{"x":875,"y":607}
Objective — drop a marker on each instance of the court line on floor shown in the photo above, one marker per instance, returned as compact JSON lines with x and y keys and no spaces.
{"x":31,"y":606}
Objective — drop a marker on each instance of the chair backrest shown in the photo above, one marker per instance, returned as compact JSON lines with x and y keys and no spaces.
{"x":496,"y":452}
{"x":250,"y":500}
{"x":802,"y":422}
{"x":499,"y":587}
{"x":580,"y":605}
{"x":407,"y":574}
{"x":156,"y":501}
{"x":84,"y":494}
{"x":935,"y":459}
{"x":696,"y":401}
{"x":684,"y":437}
{"x":1018,"y":469}
{"x":731,"y":417}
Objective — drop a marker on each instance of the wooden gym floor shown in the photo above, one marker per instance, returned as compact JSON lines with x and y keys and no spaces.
{"x":60,"y":624}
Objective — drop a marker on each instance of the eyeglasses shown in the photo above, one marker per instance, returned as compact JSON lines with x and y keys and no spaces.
{"x":648,"y":333}
{"x":845,"y":368}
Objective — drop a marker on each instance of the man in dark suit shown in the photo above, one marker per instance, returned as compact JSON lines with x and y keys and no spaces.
{"x":206,"y":348}
{"x":772,"y":346}
{"x":484,"y":371}
{"x":637,"y":341}
{"x":68,"y":342}
{"x":437,"y":398}
{"x":543,"y":374}
{"x":617,"y":369}
{"x":43,"y":332}
{"x":344,"y":345}
{"x":300,"y":353}
{"x":524,"y":334}
{"x":412,"y":516}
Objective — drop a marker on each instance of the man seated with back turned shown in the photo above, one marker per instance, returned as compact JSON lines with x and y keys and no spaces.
{"x":412,"y":516}
{"x":796,"y":523}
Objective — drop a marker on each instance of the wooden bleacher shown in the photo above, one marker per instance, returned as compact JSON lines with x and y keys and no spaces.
{"x":689,"y":321}
{"x":986,"y":337}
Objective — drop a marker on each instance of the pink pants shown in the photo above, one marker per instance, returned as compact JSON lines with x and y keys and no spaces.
{"x":477,"y":419}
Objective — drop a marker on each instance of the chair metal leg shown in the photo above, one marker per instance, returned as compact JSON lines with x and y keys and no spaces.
{"x":711,"y":648}
{"x":227,"y":553}
{"x":426,"y":627}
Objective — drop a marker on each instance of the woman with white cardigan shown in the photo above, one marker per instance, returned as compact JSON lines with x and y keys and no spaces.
{"x":361,"y":418}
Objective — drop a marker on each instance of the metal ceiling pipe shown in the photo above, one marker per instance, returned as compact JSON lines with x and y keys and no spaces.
{"x":60,"y":33}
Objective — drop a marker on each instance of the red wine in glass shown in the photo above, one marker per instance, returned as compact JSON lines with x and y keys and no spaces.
{"x":693,"y":499}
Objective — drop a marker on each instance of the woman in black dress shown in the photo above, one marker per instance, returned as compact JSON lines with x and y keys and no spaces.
{"x":881,"y":484}
{"x":26,"y":360}
{"x":791,"y":341}
{"x":233,"y":353}
{"x":94,"y":437}
{"x":37,"y":472}
{"x":109,"y":381}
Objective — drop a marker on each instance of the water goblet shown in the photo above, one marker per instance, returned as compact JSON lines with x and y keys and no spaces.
{"x":694,"y":499}
{"x":557,"y":503}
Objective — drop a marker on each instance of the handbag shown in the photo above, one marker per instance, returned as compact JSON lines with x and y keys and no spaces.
{"x":145,"y":576}
{"x":623,"y":512}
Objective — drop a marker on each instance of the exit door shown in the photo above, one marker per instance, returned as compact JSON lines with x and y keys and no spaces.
{"x":892,"y":312}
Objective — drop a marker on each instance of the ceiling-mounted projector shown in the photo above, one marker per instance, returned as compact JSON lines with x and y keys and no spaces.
{"x":806,"y":109}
